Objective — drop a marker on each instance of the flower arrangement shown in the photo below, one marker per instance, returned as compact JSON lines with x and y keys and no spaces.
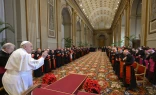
{"x":92,"y":86}
{"x":48,"y":79}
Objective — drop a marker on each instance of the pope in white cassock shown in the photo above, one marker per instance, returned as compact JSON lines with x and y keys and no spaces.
{"x":18,"y":76}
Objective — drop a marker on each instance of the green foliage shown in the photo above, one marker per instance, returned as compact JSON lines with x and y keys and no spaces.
{"x":82,"y":44}
{"x":68,"y":42}
{"x":86,"y":44}
{"x":130,"y":38}
{"x":4,"y":26}
{"x":119,"y":43}
{"x":7,"y":26}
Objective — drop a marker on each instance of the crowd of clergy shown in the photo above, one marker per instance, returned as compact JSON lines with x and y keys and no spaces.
{"x":122,"y":59}
{"x":57,"y":58}
{"x":125,"y":59}
{"x":47,"y":60}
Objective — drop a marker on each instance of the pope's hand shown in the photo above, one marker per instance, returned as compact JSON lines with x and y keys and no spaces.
{"x":44,"y":54}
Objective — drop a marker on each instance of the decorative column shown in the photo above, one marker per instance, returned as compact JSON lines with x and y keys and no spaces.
{"x":127,"y":26}
{"x":82,"y":31}
{"x":119,"y":32}
{"x":78,"y":36}
{"x":144,"y":22}
{"x":74,"y":27}
{"x":85,"y":32}
{"x":20,"y":21}
{"x":89,"y":37}
{"x":114,"y":31}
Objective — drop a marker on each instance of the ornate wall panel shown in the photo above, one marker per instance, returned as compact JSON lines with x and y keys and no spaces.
{"x":51,"y":18}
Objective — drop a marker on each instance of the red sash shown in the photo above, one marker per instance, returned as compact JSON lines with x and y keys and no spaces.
{"x":2,"y":70}
{"x":58,"y":54}
{"x":128,"y":74}
{"x":121,"y":69}
{"x":54,"y":63}
{"x":50,"y":63}
{"x":43,"y":68}
{"x":113,"y":61}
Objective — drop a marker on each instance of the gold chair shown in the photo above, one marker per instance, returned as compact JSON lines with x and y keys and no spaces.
{"x":140,"y":74}
{"x":135,"y":66}
{"x":28,"y":92}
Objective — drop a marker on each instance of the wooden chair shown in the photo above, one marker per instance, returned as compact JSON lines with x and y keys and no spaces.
{"x":28,"y":92}
{"x":140,"y":74}
{"x":135,"y":66}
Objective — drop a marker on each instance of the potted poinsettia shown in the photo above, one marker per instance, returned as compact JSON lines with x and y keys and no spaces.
{"x":48,"y":79}
{"x":92,"y":86}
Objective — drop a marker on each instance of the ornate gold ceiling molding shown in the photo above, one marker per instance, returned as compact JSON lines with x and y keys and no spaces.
{"x":99,"y":9}
{"x":123,"y":5}
{"x":94,"y":8}
{"x":102,"y":16}
{"x":75,"y":6}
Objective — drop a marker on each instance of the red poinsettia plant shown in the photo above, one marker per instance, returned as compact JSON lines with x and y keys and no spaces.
{"x":92,"y":86}
{"x":48,"y":79}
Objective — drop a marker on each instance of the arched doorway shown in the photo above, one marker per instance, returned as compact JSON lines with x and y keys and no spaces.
{"x":101,"y":40}
{"x":135,"y":19}
{"x":78,"y":33}
{"x":66,"y":25}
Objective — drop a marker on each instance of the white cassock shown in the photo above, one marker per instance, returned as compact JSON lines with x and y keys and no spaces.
{"x":18,"y":77}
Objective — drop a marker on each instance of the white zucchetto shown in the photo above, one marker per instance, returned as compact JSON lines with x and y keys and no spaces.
{"x":24,"y":42}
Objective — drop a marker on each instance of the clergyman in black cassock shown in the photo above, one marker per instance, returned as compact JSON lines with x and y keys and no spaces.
{"x":7,"y":49}
{"x":129,"y":78}
{"x":58,"y":57}
{"x":38,"y":72}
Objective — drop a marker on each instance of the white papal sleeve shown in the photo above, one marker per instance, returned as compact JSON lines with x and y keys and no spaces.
{"x":35,"y":64}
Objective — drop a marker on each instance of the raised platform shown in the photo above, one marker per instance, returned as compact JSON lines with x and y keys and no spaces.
{"x":42,"y":91}
{"x":85,"y":93}
{"x":68,"y":85}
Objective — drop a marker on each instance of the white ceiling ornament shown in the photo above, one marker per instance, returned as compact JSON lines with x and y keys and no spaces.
{"x":100,"y":13}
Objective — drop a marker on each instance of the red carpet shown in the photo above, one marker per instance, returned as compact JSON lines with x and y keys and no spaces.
{"x":40,"y":91}
{"x":69,"y":84}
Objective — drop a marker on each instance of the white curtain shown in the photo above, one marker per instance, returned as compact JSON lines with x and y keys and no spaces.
{"x":2,"y":18}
